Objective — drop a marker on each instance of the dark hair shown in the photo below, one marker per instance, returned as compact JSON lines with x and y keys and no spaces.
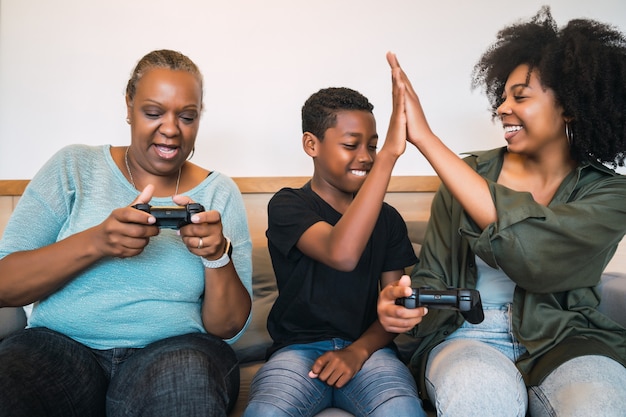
{"x":319,"y":112}
{"x":163,"y":58}
{"x":584,"y":63}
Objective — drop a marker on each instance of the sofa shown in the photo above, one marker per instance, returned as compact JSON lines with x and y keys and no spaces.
{"x":411,"y":200}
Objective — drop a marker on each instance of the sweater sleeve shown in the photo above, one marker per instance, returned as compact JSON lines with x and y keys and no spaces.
{"x":43,"y":208}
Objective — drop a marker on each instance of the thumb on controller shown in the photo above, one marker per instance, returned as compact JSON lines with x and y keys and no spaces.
{"x":145,"y":196}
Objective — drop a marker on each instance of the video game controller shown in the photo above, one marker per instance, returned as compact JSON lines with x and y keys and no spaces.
{"x":465,"y":300}
{"x":173,"y":217}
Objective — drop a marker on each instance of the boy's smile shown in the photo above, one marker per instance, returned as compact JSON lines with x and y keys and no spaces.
{"x":346,"y":153}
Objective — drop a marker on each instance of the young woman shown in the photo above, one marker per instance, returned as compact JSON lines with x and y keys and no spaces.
{"x":531,"y":226}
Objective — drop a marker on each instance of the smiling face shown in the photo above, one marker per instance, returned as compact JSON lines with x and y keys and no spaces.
{"x":165,"y":116}
{"x":532,"y":119}
{"x":344,"y":157}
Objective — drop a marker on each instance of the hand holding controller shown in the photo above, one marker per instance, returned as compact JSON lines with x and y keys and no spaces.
{"x":467,"y":301}
{"x":173,"y":217}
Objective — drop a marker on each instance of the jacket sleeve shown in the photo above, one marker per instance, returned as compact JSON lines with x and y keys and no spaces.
{"x":560,"y":247}
{"x":443,"y":259}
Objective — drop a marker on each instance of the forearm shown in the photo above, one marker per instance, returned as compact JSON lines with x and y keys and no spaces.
{"x":29,"y":276}
{"x":227,"y":303}
{"x":351,"y":234}
{"x":465,"y":184}
{"x":373,"y":339}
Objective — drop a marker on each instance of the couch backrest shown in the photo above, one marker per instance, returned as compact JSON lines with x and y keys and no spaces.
{"x":411,"y":195}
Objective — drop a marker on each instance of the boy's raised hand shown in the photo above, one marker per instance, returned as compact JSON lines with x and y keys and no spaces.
{"x":418,"y":130}
{"x":395,"y":142}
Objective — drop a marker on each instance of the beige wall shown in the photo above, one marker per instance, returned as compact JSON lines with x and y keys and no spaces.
{"x":64,"y":66}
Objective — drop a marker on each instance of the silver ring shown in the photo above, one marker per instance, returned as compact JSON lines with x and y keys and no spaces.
{"x":200,"y":243}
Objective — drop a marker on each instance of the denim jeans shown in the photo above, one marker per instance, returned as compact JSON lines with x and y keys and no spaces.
{"x":44,"y":373}
{"x":383,"y":387}
{"x":474,"y":370}
{"x":583,"y":386}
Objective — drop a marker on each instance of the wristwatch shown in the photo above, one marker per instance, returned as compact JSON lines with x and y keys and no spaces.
{"x":223,"y":260}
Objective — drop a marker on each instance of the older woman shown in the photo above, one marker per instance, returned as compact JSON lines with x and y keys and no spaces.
{"x":128,"y":317}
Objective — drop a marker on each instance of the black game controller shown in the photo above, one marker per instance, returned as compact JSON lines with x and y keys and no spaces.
{"x":465,"y":300}
{"x":173,"y":217}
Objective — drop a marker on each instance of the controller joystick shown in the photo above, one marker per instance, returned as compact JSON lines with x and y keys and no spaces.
{"x":467,"y":301}
{"x":171,"y":217}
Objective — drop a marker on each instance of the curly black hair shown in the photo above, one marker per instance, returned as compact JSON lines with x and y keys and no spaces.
{"x":319,"y":112}
{"x":584,"y":63}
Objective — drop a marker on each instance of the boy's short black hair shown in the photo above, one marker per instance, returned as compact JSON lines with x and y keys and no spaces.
{"x":319,"y":112}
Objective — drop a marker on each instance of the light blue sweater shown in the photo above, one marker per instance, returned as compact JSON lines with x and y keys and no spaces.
{"x":116,"y":302}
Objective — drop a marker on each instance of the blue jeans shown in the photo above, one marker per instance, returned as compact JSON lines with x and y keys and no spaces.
{"x":474,"y":369}
{"x":44,"y":373}
{"x":383,"y":387}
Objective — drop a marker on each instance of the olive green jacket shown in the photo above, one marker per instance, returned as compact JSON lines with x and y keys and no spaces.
{"x":554,"y":254}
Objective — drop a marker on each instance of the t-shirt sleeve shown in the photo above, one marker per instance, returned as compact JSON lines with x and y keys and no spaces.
{"x":289,"y":216}
{"x":400,"y":253}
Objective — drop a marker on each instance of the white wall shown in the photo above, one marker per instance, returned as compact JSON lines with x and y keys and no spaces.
{"x":64,"y":66}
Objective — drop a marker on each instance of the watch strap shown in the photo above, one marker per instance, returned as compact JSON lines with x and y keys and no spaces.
{"x":223,"y":260}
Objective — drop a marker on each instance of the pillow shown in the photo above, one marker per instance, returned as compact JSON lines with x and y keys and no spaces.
{"x":252,"y":345}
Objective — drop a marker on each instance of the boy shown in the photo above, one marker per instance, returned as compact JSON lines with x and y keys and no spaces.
{"x":333,"y":242}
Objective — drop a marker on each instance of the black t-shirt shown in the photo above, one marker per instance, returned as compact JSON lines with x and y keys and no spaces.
{"x":317,"y":302}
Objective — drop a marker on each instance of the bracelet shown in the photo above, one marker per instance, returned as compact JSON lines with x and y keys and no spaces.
{"x":223,"y":260}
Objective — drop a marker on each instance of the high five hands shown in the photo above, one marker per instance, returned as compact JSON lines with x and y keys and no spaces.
{"x":418,"y":131}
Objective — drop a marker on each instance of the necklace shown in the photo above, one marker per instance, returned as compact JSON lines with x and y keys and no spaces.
{"x":130,"y":174}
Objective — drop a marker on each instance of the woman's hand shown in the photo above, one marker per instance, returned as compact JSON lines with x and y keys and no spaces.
{"x":418,"y":130}
{"x":127,"y":231}
{"x":462,"y":181}
{"x":31,"y":275}
{"x":226,"y":302}
{"x":204,"y":236}
{"x":395,"y":318}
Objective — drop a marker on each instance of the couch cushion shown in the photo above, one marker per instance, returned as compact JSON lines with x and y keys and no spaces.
{"x":11,"y":319}
{"x":252,"y":345}
{"x":416,"y":229}
{"x":613,"y":292}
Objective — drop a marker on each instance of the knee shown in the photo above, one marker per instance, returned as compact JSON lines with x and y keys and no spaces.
{"x":587,"y":385}
{"x":466,"y":375}
{"x":188,"y":366}
{"x":472,"y":363}
{"x":282,"y":387}
{"x":289,"y":372}
{"x":288,"y":367}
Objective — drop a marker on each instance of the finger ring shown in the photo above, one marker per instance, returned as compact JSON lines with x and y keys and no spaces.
{"x":200,"y":243}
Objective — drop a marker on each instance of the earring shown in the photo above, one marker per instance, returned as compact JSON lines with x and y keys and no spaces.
{"x":193,"y":151}
{"x":128,"y":120}
{"x":569,"y":134}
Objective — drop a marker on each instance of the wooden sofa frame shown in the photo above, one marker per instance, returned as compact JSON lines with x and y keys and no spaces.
{"x":410,"y":195}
